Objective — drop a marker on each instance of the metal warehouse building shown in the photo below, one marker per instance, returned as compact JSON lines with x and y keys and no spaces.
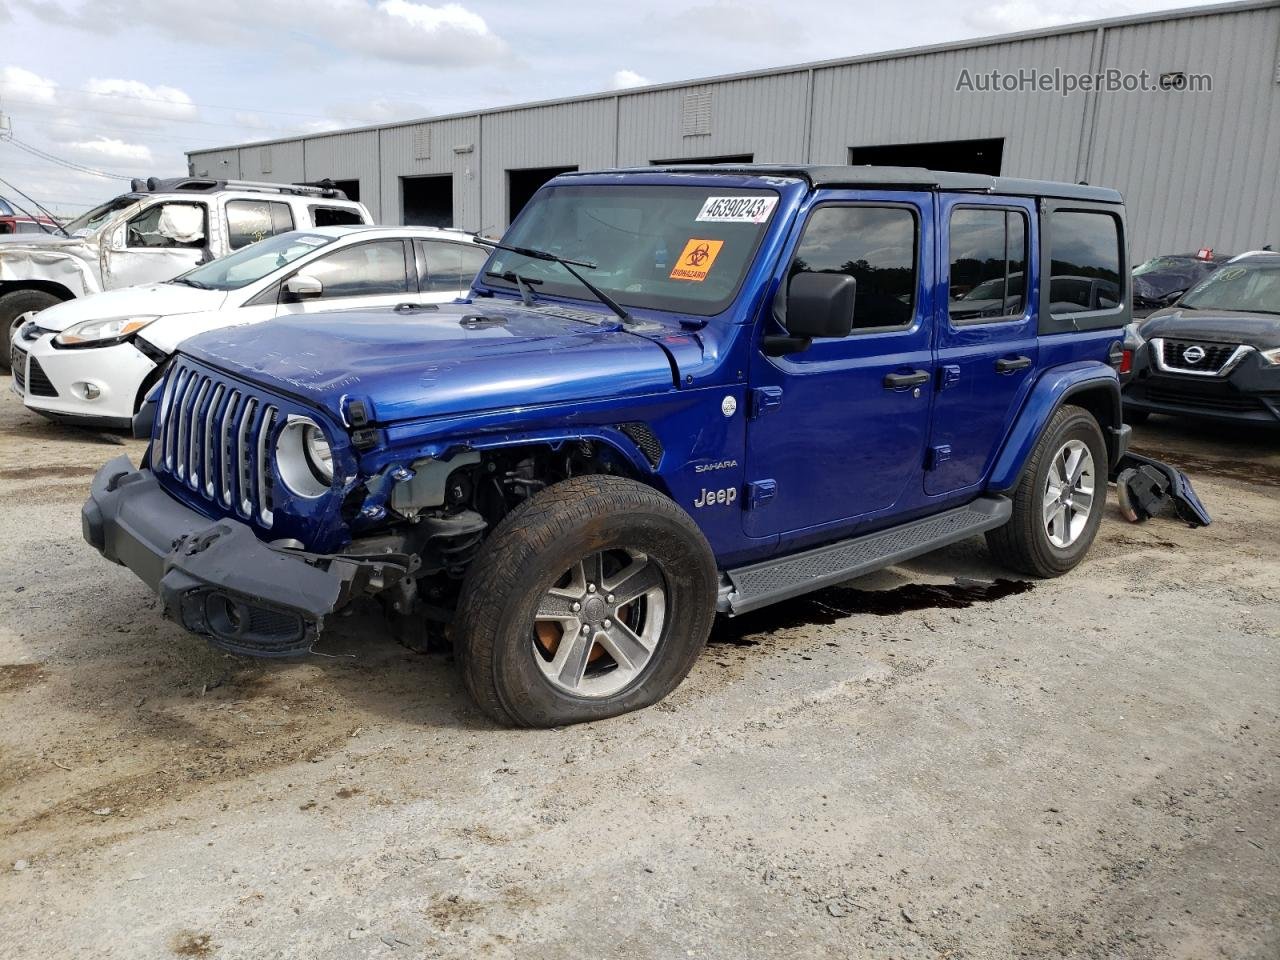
{"x":1198,"y":167}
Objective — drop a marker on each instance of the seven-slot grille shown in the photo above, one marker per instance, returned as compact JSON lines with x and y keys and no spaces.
{"x":1211,"y":357}
{"x":216,"y":438}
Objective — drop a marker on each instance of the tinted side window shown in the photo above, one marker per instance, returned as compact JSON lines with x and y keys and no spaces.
{"x":168,"y":225}
{"x":450,"y":266}
{"x":874,"y":245}
{"x":335,"y":217}
{"x":364,"y":270}
{"x":988,"y":264}
{"x":1084,"y":248}
{"x":249,"y":221}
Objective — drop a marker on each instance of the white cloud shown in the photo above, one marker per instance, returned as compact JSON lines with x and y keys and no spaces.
{"x":622,"y":79}
{"x":109,"y":148}
{"x":24,"y":85}
{"x":399,"y":30}
{"x":158,"y":103}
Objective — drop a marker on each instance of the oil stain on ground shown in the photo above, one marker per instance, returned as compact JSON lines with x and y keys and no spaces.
{"x":835,"y":603}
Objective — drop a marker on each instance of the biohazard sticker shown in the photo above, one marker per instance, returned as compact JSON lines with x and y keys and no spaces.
{"x":737,"y":209}
{"x":696,"y":260}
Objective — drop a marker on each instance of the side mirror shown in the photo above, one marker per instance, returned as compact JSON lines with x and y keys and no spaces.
{"x":302,"y":287}
{"x":818,"y":305}
{"x":1170,"y":299}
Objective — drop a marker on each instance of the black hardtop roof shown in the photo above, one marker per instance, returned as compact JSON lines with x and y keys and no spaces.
{"x":896,"y":178}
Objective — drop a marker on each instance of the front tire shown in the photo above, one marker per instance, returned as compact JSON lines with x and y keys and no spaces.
{"x":15,"y":304}
{"x":591,"y":599}
{"x":1059,"y":501}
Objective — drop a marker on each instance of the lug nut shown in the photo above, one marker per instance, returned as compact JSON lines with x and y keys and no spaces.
{"x":576,"y":606}
{"x":608,"y":624}
{"x":591,"y":588}
{"x":609,"y":598}
{"x":586,"y":628}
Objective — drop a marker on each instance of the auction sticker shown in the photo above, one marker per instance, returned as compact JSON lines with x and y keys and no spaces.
{"x":696,"y":260}
{"x":737,"y":209}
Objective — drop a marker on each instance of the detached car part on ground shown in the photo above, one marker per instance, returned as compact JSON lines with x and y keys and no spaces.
{"x":161,"y":228}
{"x":673,"y":393}
{"x":92,"y":360}
{"x":1215,"y":354}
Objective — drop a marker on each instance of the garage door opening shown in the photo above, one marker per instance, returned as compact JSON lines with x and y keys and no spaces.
{"x":728,"y":158}
{"x":957,"y":156}
{"x":350,"y":187}
{"x":427,"y":201}
{"x":523,"y":184}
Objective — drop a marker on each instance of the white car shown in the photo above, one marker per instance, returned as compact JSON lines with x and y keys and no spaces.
{"x":92,"y":360}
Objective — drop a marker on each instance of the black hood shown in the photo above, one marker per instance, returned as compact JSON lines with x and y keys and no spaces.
{"x":1259,"y":330}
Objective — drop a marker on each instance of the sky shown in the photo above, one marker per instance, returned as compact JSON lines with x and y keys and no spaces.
{"x":122,"y":88}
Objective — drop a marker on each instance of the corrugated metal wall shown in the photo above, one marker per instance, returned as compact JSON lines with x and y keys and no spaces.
{"x":1197,"y":168}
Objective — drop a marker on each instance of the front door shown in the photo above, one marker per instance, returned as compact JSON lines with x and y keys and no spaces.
{"x":162,"y":241}
{"x":375,"y":273}
{"x":837,"y":432}
{"x":987,"y":347}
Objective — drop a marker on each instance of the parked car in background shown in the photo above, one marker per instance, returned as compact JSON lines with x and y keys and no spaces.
{"x":673,"y":392}
{"x":161,"y":228}
{"x":1216,"y":353}
{"x":92,"y":360}
{"x":13,"y":221}
{"x":1160,"y":281}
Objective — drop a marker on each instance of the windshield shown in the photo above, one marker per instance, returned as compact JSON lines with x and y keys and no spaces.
{"x":87,"y":223}
{"x":1161,"y":263}
{"x":1248,"y":287}
{"x":253,"y":262}
{"x":994,"y":288}
{"x":679,"y":248}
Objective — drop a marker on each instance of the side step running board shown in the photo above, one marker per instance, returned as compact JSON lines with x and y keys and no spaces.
{"x":760,"y":584}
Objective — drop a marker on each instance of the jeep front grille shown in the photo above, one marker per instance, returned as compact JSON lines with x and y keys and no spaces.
{"x":215,"y":437}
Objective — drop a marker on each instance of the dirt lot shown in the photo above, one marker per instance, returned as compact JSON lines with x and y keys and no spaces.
{"x":1080,"y":768}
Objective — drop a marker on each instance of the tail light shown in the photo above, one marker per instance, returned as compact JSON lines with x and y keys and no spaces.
{"x":1126,"y":362}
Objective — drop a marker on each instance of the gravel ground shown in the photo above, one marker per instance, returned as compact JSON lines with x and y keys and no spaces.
{"x":913,"y":766}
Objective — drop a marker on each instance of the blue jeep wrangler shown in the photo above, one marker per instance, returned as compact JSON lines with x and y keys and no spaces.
{"x":673,"y":392}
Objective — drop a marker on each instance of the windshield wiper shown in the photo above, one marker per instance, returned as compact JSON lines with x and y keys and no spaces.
{"x":522,"y":284}
{"x":568,"y":264}
{"x":191,"y":283}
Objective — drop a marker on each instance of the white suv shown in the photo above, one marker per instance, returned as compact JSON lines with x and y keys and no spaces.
{"x":161,"y":228}
{"x":93,"y":360}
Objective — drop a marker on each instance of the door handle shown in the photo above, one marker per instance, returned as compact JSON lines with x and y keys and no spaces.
{"x":1011,"y":364}
{"x":904,"y":381}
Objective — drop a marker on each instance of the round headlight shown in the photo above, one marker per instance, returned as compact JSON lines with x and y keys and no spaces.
{"x":304,"y":457}
{"x":319,"y":454}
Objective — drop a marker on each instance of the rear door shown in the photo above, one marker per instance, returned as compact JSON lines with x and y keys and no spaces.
{"x":986,"y":336}
{"x":837,"y":431}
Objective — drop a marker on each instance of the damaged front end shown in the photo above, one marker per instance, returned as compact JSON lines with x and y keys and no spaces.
{"x":216,"y":577}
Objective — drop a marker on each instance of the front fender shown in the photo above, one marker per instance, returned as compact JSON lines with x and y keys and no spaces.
{"x":1056,"y":386}
{"x":21,"y":265}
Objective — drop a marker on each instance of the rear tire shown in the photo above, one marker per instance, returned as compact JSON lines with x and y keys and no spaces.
{"x":1059,"y":501}
{"x":13,"y":305}
{"x":548,"y":632}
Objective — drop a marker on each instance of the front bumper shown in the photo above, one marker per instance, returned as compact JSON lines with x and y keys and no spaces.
{"x":1249,"y":393}
{"x":56,"y":378}
{"x":215,"y":577}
